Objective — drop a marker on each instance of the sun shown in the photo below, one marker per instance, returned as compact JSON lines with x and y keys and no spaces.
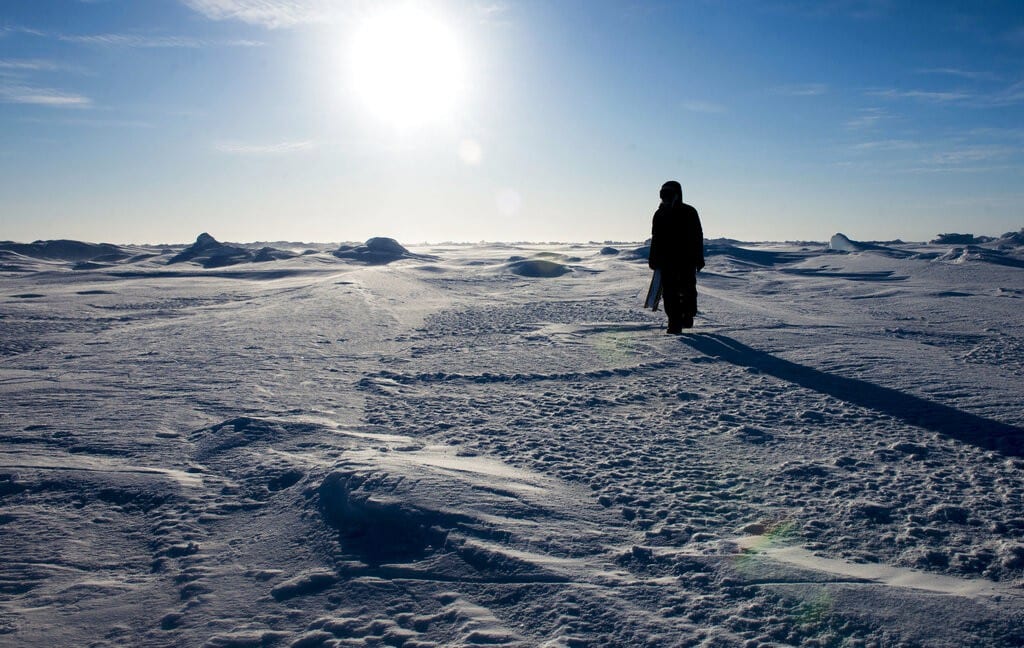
{"x":407,"y":67}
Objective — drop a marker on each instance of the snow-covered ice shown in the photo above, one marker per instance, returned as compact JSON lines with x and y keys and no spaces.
{"x":377,"y":444}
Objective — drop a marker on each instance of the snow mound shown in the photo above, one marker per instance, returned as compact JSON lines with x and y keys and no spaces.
{"x":952,"y":238}
{"x":641,"y":253}
{"x":609,"y":251}
{"x":748,"y":256}
{"x":379,"y":517}
{"x":1011,"y":239}
{"x":978,"y":254}
{"x":843,"y":243}
{"x":434,"y":514}
{"x":538,"y":268}
{"x":378,"y":250}
{"x":271,"y":254}
{"x":211,"y":253}
{"x":65,"y":250}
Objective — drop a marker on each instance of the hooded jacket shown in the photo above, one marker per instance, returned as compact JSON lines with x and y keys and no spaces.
{"x":677,"y":239}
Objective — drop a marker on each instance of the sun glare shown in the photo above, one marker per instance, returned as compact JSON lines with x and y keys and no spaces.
{"x":407,"y":67}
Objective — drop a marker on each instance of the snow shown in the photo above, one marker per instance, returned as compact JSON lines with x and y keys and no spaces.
{"x":312,"y":445}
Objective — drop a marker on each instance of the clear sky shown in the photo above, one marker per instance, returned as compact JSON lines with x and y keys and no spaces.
{"x":319,"y":120}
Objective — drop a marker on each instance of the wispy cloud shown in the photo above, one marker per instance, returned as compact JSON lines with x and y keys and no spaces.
{"x":1012,"y":95}
{"x":6,"y":30}
{"x":26,"y":94}
{"x":28,"y":65}
{"x":91,"y":123}
{"x":887,"y":145}
{"x":269,"y":13}
{"x":971,"y":154}
{"x":921,"y":95}
{"x":1009,"y":96}
{"x":278,"y":148}
{"x":708,"y":107}
{"x":493,"y":12}
{"x":973,"y":75}
{"x":800,"y":89}
{"x":146,"y":41}
{"x":868,"y":118}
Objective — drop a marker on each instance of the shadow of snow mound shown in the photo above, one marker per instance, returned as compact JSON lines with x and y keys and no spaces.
{"x":429,"y":513}
{"x":379,"y":520}
{"x":65,"y":250}
{"x":241,"y":432}
{"x":538,"y":268}
{"x":378,"y":251}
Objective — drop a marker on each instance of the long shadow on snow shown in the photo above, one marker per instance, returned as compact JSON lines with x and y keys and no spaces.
{"x":963,"y":426}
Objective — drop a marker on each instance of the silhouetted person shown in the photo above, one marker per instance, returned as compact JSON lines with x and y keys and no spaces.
{"x":677,"y":249}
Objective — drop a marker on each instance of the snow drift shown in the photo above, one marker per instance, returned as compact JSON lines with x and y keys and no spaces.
{"x":378,"y":250}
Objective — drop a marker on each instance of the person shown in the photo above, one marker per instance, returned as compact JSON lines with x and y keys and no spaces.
{"x":677,"y":249}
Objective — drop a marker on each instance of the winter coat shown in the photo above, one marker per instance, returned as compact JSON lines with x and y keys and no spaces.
{"x":677,"y":239}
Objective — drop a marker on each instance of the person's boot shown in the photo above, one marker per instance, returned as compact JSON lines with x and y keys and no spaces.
{"x":687,"y":321}
{"x":675,"y":326}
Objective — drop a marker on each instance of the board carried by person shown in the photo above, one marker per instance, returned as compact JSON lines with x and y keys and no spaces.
{"x":654,"y":292}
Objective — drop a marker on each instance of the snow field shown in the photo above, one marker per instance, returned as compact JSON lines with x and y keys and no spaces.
{"x":470,"y":446}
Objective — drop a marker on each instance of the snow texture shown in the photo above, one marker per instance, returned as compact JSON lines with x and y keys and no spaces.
{"x":467,"y":445}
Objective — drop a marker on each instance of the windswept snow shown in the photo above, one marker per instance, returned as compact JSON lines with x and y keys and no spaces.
{"x":295,"y":445}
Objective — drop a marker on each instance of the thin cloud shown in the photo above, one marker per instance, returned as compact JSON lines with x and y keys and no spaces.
{"x":1009,"y":96}
{"x":973,"y":75}
{"x":28,"y":65}
{"x":707,"y":107}
{"x":494,"y":12}
{"x":969,"y":154}
{"x":921,"y":95}
{"x":15,"y":29}
{"x":30,"y":95}
{"x":279,"y":148}
{"x":887,"y":145}
{"x":91,"y":123}
{"x":142,"y":41}
{"x":869,"y":118}
{"x":268,"y":13}
{"x":800,"y":89}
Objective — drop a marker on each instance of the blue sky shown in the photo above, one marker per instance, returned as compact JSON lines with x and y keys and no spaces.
{"x":154,"y":120}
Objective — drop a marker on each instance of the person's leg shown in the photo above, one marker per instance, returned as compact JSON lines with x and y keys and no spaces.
{"x":672,"y":297}
{"x":688,"y":296}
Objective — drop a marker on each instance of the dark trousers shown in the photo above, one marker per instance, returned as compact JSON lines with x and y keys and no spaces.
{"x":679,"y":290}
